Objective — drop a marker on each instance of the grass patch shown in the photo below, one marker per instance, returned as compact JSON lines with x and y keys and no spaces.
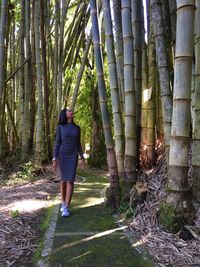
{"x":126,"y":210}
{"x":167,"y":216}
{"x":14,"y":213}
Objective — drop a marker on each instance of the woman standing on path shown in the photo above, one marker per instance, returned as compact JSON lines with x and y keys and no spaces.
{"x":66,"y":149}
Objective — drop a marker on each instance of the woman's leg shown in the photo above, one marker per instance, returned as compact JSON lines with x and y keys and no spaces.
{"x":69,"y":192}
{"x":63,"y":190}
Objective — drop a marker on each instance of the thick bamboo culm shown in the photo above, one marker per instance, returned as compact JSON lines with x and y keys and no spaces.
{"x":116,"y":111}
{"x":151,"y":114}
{"x":119,"y":49}
{"x":196,"y":130}
{"x":164,"y":80}
{"x":39,"y":124}
{"x":180,"y":133}
{"x":130,"y":158}
{"x":111,"y":158}
{"x":137,"y":28}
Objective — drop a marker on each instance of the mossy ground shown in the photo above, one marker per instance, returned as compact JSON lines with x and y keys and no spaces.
{"x":105,"y":245}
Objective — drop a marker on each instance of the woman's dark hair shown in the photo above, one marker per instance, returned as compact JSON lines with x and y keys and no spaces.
{"x":63,"y":117}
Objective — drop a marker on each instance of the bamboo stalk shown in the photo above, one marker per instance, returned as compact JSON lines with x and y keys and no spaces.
{"x":130,"y":158}
{"x":81,"y":70}
{"x":162,"y":63}
{"x":180,"y":133}
{"x":114,"y":198}
{"x":117,"y":116}
{"x":196,"y":129}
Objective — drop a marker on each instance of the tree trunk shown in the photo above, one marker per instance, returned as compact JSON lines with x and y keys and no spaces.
{"x":27,"y":85}
{"x":151,"y":117}
{"x":55,"y":69}
{"x":172,"y":6}
{"x":137,"y":27}
{"x":196,"y":130}
{"x":180,"y":134}
{"x":144,"y":111}
{"x":161,"y":56}
{"x":45,"y":78}
{"x":168,"y":38}
{"x":96,"y":148}
{"x":3,"y":23}
{"x":119,"y":49}
{"x":130,"y":159}
{"x":117,"y":116}
{"x":81,"y":70}
{"x":33,"y":84}
{"x":114,"y":198}
{"x":21,"y":72}
{"x":39,"y":122}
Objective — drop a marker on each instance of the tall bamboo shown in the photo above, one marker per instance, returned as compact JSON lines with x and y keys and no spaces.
{"x":144,"y":111}
{"x":55,"y":68}
{"x":180,"y":133}
{"x":196,"y":130}
{"x":130,"y":158}
{"x":117,"y":116}
{"x":162,"y":63}
{"x":173,"y":7}
{"x":64,"y":6}
{"x":111,"y":158}
{"x":119,"y":48}
{"x":33,"y":80}
{"x":45,"y":78}
{"x":27,"y":84}
{"x":137,"y":27}
{"x":39,"y":123}
{"x":168,"y":38}
{"x":3,"y":22}
{"x":81,"y":70}
{"x":21,"y":72}
{"x":151,"y":117}
{"x":159,"y":113}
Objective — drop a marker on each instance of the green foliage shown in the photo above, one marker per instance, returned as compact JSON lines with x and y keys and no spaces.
{"x":125,"y":209}
{"x":14,"y":213}
{"x":167,"y":216}
{"x":27,"y":170}
{"x":27,"y":173}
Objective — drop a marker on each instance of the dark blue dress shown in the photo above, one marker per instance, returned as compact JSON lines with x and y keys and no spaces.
{"x":67,"y":147}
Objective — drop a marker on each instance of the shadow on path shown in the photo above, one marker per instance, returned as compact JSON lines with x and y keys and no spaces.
{"x":90,"y":237}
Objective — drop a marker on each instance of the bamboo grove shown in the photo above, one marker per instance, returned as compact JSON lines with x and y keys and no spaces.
{"x":137,"y":60}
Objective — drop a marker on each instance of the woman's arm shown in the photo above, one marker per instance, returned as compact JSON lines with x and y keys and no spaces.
{"x":80,"y":149}
{"x":57,"y":143}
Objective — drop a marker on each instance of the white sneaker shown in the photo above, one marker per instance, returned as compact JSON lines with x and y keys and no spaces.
{"x":65,"y":212}
{"x":62,"y":207}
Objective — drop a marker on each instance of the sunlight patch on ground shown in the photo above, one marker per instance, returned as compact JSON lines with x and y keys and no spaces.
{"x":142,"y":241}
{"x":30,"y":205}
{"x":80,"y":256}
{"x":83,"y":240}
{"x":89,"y":201}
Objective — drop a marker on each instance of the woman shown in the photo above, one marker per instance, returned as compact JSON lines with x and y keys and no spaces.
{"x":67,"y":147}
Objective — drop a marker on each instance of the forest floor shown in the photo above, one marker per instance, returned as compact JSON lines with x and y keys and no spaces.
{"x":24,"y":211}
{"x":26,"y":207}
